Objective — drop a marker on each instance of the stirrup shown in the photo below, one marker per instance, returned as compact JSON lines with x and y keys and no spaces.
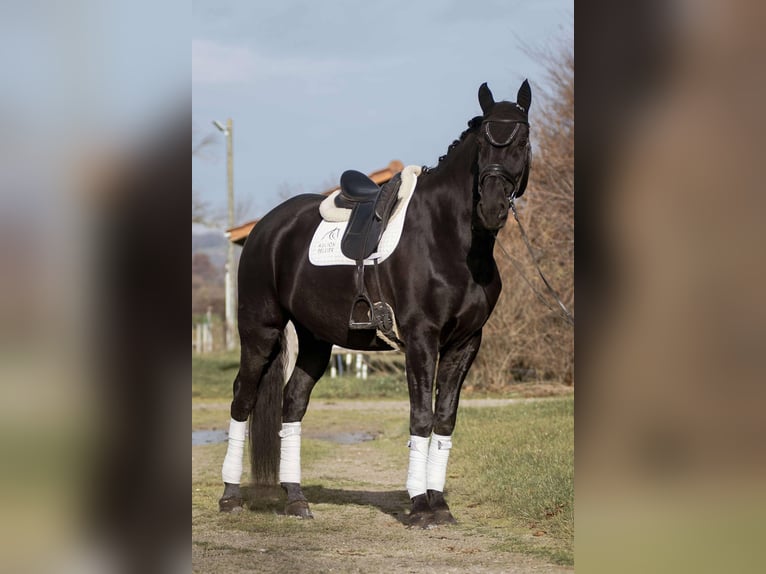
{"x":363,"y":303}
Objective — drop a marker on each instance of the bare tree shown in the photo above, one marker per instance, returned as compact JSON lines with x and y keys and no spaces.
{"x":329,"y":182}
{"x":199,"y":148}
{"x":200,"y":208}
{"x":287,"y":190}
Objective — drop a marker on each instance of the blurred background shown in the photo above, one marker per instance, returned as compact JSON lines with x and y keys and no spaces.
{"x":670,"y":436}
{"x":94,"y":106}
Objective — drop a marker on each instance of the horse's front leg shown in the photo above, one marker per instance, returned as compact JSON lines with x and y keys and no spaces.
{"x":421,"y":360}
{"x":454,"y":363}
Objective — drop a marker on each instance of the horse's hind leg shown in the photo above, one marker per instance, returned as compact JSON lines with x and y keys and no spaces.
{"x":258,"y":346}
{"x":313,"y":357}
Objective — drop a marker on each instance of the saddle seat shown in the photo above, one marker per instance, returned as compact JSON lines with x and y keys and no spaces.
{"x":355,"y":187}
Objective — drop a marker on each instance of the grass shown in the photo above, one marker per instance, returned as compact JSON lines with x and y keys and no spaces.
{"x":214,"y":377}
{"x":375,"y":387}
{"x":516,"y":464}
{"x":510,"y":482}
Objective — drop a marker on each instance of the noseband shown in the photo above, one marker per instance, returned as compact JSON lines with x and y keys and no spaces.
{"x":498,"y":169}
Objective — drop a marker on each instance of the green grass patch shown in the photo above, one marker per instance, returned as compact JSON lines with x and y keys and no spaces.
{"x":213,"y":375}
{"x":211,"y":416}
{"x":517,"y":465}
{"x":349,"y":387}
{"x":213,"y":378}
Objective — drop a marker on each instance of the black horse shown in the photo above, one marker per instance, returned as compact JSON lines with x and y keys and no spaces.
{"x":441,"y":283}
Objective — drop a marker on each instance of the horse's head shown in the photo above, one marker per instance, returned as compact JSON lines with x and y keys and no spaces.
{"x":503,"y":157}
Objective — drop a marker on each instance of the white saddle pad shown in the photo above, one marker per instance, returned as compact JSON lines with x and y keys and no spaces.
{"x":325,"y":245}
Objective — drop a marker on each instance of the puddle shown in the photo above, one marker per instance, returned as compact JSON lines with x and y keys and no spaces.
{"x":218,"y":436}
{"x":208,"y":437}
{"x":347,"y":437}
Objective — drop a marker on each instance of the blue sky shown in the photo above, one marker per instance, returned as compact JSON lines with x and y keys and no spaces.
{"x":315,"y":88}
{"x":91,"y":66}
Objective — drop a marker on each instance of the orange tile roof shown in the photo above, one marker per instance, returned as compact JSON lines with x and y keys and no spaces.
{"x":239,"y":233}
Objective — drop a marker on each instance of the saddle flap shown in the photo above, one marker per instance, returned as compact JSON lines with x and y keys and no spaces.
{"x":369,"y":217}
{"x":362,"y":232}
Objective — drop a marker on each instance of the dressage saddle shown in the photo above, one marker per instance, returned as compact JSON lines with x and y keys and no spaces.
{"x":371,"y":207}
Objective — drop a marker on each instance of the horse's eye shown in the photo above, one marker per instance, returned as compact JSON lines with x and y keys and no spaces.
{"x":523,"y":142}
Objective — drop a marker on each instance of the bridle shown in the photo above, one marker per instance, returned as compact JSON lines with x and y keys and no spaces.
{"x":498,"y":169}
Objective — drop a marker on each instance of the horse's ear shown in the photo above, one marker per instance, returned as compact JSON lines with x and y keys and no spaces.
{"x":524,"y":97}
{"x":486,"y":101}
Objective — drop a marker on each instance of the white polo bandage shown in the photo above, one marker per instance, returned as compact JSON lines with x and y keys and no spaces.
{"x":290,"y":453}
{"x":416,"y":472}
{"x":438,"y":455}
{"x":232,"y":463}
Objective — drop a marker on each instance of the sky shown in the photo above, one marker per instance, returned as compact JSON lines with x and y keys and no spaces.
{"x":91,"y":66}
{"x":318,"y":87}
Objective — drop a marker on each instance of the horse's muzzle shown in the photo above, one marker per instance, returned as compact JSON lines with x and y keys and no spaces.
{"x":493,"y":214}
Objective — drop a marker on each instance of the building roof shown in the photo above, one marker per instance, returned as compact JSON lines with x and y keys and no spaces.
{"x":239,"y":233}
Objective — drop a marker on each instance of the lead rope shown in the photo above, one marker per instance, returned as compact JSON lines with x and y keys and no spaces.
{"x":566,"y":314}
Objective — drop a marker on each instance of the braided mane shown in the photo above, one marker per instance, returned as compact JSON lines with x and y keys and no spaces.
{"x":473,"y":125}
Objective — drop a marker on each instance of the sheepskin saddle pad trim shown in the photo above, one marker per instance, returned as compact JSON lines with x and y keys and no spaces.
{"x":325,"y":244}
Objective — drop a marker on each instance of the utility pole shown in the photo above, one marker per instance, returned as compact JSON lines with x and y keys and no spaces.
{"x":231,"y":329}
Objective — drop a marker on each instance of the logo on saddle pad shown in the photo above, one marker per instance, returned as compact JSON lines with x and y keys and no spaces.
{"x":330,"y":241}
{"x":325,"y":244}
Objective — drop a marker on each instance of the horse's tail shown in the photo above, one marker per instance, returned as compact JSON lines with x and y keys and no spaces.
{"x":266,"y":417}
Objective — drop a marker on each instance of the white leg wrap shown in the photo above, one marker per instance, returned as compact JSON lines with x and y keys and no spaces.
{"x":290,"y":453}
{"x":438,"y":455}
{"x":416,"y":473}
{"x":232,"y":464}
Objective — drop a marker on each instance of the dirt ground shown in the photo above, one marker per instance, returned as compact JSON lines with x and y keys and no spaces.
{"x":357,"y":495}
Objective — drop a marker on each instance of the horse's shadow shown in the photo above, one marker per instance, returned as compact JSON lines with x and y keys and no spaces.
{"x":271,"y":499}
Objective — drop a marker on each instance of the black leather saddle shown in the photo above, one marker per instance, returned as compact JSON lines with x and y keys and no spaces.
{"x":371,"y":207}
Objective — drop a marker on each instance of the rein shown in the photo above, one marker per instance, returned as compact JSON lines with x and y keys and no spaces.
{"x":499,"y":170}
{"x":566,"y":314}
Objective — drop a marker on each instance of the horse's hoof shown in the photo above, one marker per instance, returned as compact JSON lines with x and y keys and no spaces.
{"x":231,"y":504}
{"x":299,"y":508}
{"x":444,"y":516}
{"x":421,"y":515}
{"x":440,"y":508}
{"x":421,"y":520}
